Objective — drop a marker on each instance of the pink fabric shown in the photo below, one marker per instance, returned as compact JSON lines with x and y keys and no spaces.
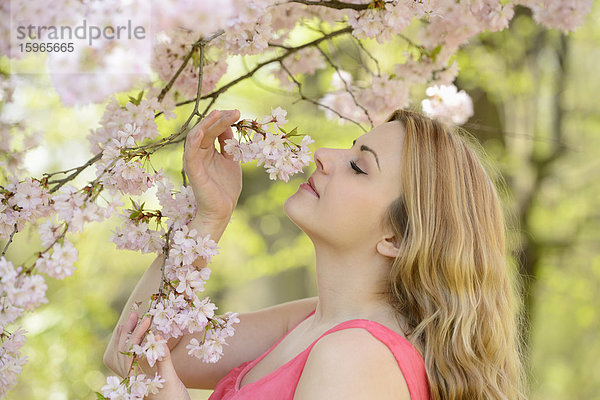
{"x":281,"y":383}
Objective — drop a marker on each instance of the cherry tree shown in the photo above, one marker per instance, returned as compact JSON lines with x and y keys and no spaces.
{"x":194,"y":44}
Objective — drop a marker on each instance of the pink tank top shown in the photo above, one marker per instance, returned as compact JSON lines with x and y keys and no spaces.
{"x":281,"y":383}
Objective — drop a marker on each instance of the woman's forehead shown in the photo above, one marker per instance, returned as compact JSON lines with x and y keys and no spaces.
{"x":387,"y":131}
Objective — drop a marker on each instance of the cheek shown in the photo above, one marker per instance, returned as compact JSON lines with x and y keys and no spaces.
{"x":353,"y":208}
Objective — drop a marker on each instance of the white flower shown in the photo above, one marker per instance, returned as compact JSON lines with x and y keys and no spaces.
{"x":112,"y":387}
{"x":151,"y":348}
{"x":279,"y":114}
{"x":446,"y":104}
{"x":154,"y":384}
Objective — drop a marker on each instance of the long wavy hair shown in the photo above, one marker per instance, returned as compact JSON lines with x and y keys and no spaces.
{"x":451,"y":281}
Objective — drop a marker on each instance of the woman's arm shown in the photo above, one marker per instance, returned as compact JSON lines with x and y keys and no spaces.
{"x":146,"y":286}
{"x":254,"y":334}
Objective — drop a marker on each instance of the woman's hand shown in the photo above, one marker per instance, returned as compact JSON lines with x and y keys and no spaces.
{"x":215,"y":178}
{"x":173,"y":388}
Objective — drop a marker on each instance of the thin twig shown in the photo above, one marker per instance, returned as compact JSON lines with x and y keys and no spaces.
{"x":10,"y":238}
{"x":266,"y":87}
{"x":61,"y":182}
{"x":337,"y":69}
{"x":303,"y":97}
{"x":164,"y":262}
{"x":362,"y":47}
{"x":169,"y":84}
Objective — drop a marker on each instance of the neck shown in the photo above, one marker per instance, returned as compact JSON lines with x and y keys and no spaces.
{"x":351,"y":285}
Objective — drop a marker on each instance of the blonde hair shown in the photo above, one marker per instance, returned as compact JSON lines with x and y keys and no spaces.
{"x":451,"y":281}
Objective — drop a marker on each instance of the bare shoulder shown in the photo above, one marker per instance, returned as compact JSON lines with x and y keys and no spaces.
{"x":351,"y":364}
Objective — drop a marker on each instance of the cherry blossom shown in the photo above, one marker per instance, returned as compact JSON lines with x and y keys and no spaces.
{"x":281,"y":157}
{"x":151,"y":348}
{"x":447,"y":104}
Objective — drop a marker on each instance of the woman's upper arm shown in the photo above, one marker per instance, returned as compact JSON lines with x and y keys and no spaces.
{"x":255,"y":333}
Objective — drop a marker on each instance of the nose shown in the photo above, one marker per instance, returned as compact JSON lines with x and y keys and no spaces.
{"x":320,"y":160}
{"x":323,"y":159}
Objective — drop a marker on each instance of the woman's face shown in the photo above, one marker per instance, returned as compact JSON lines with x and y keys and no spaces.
{"x":354,"y":188}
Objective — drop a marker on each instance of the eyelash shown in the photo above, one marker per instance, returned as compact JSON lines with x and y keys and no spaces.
{"x":357,"y":170}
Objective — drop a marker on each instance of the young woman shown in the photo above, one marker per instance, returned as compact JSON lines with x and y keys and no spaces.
{"x":415,"y":297}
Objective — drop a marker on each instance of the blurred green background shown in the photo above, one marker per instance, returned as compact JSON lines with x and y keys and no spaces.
{"x":537,"y":114}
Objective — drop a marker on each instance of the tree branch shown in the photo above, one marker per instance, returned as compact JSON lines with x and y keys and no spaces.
{"x":61,"y":182}
{"x":199,"y":43}
{"x":335,"y":4}
{"x":10,"y":238}
{"x":291,"y":51}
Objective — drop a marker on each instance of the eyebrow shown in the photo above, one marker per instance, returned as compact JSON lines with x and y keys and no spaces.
{"x":367,"y":148}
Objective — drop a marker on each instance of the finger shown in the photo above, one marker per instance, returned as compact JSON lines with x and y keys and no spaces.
{"x":138,"y":333}
{"x":127,"y":328}
{"x":196,"y":134}
{"x":228,"y":134}
{"x":132,"y":321}
{"x":218,"y":127}
{"x":164,"y":365}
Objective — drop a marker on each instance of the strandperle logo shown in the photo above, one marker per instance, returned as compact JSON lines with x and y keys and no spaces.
{"x":82,"y":32}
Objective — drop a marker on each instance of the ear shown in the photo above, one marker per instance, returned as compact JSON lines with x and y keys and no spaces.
{"x":388,"y":246}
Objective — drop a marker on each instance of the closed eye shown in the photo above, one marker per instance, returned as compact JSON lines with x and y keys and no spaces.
{"x":356,"y":168}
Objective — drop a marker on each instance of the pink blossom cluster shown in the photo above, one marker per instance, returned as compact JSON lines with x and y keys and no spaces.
{"x":383,"y":23}
{"x":131,"y":388}
{"x":23,"y":288}
{"x":169,"y":54}
{"x":211,"y":348}
{"x":202,"y":17}
{"x":137,"y":236}
{"x":305,"y":61}
{"x":22,"y":202}
{"x":179,"y":207}
{"x":249,"y":31}
{"x":280,"y":156}
{"x":176,"y":310}
{"x":20,"y":292}
{"x":349,"y":101}
{"x":119,"y":138}
{"x":563,"y":15}
{"x":11,"y":361}
{"x":447,"y":104}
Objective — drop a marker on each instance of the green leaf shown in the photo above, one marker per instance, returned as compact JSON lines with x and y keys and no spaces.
{"x":136,"y":100}
{"x":435,"y":52}
{"x":99,"y":396}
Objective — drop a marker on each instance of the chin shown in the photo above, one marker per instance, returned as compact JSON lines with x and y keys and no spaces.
{"x":294,"y":208}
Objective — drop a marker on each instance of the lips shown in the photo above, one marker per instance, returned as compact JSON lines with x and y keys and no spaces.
{"x":311,"y":183}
